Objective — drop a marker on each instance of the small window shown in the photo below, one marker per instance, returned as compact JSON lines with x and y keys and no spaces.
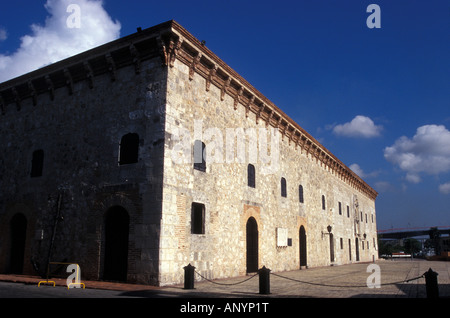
{"x":283,"y":188}
{"x":323,"y":203}
{"x":198,"y":218}
{"x":300,"y":194}
{"x":340,"y":208}
{"x":251,"y":176}
{"x":37,"y":163}
{"x":348,"y":211}
{"x":199,"y":156}
{"x":129,"y":149}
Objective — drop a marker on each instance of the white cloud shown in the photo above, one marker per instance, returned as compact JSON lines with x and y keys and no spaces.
{"x":384,"y":186}
{"x":427,"y":152}
{"x":360,"y":172}
{"x":360,"y":126}
{"x":445,"y":188}
{"x":357,"y":169}
{"x":58,"y":38}
{"x":3,"y":34}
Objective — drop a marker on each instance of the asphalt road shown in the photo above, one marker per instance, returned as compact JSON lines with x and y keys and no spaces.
{"x":17,"y":290}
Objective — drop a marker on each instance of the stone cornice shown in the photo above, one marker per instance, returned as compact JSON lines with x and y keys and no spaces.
{"x":170,"y":41}
{"x":107,"y":58}
{"x":201,"y":60}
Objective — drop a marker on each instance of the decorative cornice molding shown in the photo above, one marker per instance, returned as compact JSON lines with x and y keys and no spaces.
{"x":171,"y":41}
{"x":201,"y":60}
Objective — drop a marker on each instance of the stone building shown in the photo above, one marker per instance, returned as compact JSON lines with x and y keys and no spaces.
{"x":148,"y":153}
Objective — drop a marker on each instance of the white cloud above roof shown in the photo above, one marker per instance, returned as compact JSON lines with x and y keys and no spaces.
{"x":3,"y":34}
{"x":360,"y":126}
{"x":60,"y":37}
{"x":428,"y":151}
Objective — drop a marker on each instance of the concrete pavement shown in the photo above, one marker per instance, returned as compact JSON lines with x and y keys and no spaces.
{"x":395,"y":279}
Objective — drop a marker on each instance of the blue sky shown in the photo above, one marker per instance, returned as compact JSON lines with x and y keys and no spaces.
{"x":378,"y":98}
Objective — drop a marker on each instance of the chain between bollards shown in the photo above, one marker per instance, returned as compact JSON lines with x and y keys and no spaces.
{"x":431,"y":282}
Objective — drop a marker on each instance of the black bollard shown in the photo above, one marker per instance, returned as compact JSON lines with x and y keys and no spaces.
{"x":189,"y":276}
{"x":431,"y":284}
{"x":264,"y":280}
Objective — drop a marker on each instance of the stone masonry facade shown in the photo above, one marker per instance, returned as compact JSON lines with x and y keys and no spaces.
{"x":156,"y":140}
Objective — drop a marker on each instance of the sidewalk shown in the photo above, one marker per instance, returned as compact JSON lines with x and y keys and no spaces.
{"x":398,"y":279}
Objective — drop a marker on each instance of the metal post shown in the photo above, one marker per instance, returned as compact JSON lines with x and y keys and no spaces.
{"x":189,"y":271}
{"x":264,"y":280}
{"x":431,"y":284}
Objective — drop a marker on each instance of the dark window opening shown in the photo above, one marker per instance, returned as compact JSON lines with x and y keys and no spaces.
{"x":129,"y":149}
{"x":199,"y":156}
{"x":348,"y":211}
{"x":340,"y":208}
{"x":198,"y":218}
{"x":37,"y":163}
{"x":251,"y":176}
{"x":323,"y":203}
{"x":300,"y":194}
{"x":283,"y":188}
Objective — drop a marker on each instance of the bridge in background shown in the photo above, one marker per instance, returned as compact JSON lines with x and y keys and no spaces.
{"x":411,"y":232}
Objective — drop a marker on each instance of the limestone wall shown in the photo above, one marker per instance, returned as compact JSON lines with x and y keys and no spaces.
{"x":229,"y":201}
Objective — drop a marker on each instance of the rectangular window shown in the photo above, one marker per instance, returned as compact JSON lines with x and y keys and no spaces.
{"x":199,"y":156}
{"x":129,"y":149}
{"x":283,"y":188}
{"x":251,"y":176}
{"x":340,"y":208}
{"x":37,"y":163}
{"x":348,"y":211}
{"x":198,"y":218}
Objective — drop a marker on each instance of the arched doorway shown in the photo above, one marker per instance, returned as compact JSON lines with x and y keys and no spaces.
{"x":18,"y":228}
{"x":302,"y":244}
{"x":252,"y":245}
{"x":116,"y":244}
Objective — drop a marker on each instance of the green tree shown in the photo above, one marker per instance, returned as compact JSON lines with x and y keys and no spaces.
{"x":412,"y":245}
{"x":434,"y":239}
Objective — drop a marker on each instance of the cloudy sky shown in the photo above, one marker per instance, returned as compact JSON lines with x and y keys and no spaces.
{"x":378,"y":98}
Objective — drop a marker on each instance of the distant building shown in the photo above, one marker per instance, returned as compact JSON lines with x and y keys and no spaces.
{"x":102,"y":165}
